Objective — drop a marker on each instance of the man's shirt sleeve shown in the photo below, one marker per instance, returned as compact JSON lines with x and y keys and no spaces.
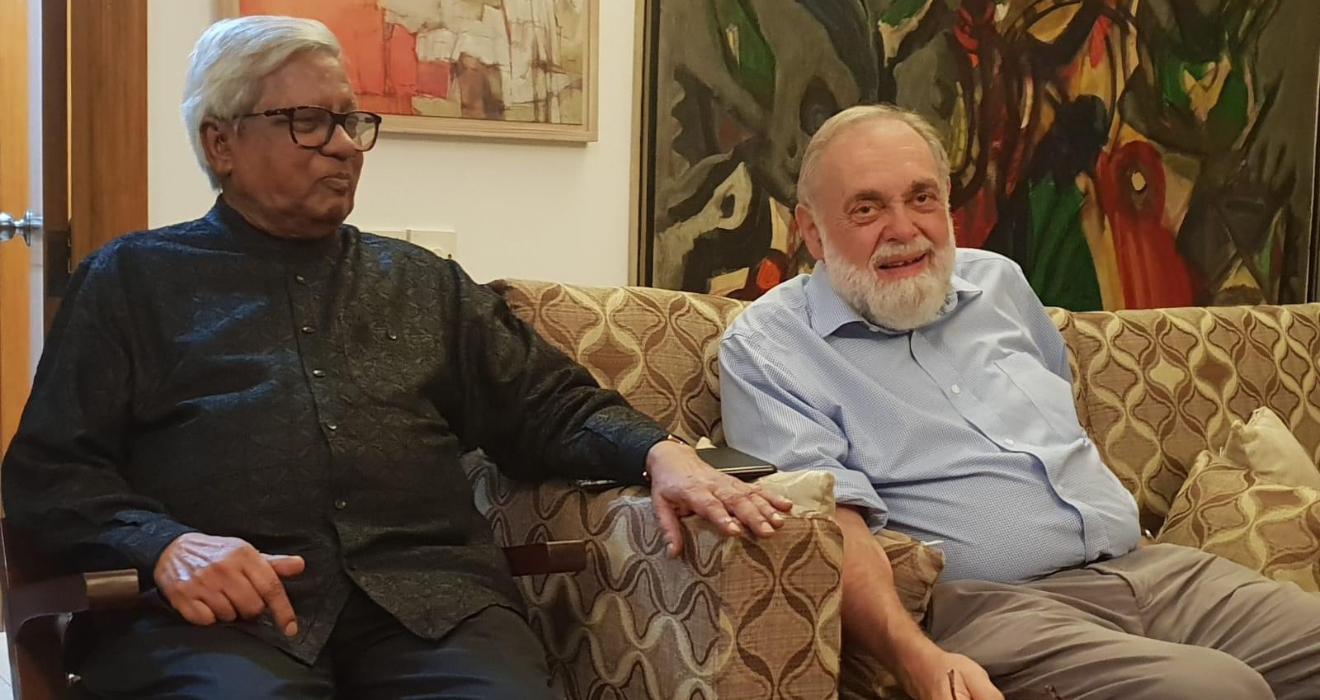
{"x":768,"y":415}
{"x":62,"y":477}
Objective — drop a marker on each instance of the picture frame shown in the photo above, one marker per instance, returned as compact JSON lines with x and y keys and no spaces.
{"x":1053,"y":135}
{"x":436,"y":84}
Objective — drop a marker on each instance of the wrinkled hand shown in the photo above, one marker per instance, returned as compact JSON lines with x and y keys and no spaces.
{"x":682,"y":484}
{"x":209,"y":578}
{"x":928,"y":678}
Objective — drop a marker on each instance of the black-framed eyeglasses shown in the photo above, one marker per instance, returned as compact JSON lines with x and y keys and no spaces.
{"x":313,"y":127}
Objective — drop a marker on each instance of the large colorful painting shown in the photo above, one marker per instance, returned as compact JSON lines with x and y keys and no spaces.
{"x":501,"y":68}
{"x":1127,"y":153}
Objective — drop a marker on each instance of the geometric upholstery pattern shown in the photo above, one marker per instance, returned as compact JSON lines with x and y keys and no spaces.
{"x":1153,"y":388}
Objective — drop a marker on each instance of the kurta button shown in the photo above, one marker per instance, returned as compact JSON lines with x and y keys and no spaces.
{"x":340,"y":504}
{"x":955,"y":389}
{"x":391,"y":334}
{"x":318,"y":373}
{"x":1010,"y":442}
{"x":332,"y":426}
{"x":308,"y":330}
{"x":300,"y":279}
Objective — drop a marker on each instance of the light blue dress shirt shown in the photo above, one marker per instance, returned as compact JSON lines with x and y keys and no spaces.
{"x":962,"y":433}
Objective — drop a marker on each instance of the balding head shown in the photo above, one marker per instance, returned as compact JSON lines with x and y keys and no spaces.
{"x":858,"y":116}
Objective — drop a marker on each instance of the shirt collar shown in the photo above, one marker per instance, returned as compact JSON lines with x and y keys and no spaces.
{"x":829,"y":312}
{"x":253,"y":239}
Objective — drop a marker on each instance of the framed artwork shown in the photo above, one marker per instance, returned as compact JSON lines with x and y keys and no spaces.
{"x":1127,"y":153}
{"x":510,"y":69}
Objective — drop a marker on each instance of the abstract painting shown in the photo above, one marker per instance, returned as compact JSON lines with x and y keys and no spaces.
{"x":1126,"y":153}
{"x":501,"y":68}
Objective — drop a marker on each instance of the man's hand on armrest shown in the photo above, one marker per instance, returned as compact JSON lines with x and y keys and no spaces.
{"x":874,"y":617}
{"x":207,"y":578}
{"x":682,"y":484}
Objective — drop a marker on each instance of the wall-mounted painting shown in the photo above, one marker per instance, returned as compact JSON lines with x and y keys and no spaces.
{"x":514,"y":69}
{"x":1127,"y":153}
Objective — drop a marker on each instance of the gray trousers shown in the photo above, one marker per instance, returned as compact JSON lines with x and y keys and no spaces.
{"x":1162,"y":623}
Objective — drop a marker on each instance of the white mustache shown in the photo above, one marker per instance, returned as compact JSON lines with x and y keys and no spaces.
{"x":890,"y":251}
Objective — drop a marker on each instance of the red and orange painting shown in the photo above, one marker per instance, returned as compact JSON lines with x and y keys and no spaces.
{"x":495,"y":67}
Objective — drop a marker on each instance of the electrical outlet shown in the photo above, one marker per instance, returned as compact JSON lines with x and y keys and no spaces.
{"x":442,"y":243}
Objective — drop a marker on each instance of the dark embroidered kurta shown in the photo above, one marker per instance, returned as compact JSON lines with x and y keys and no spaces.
{"x":312,"y":398}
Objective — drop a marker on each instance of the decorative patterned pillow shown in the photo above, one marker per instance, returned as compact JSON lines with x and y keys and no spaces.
{"x":1268,"y":448}
{"x":1228,"y":510}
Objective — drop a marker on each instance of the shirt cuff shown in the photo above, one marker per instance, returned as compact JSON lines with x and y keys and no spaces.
{"x":143,"y":537}
{"x":632,"y":434}
{"x":854,"y":489}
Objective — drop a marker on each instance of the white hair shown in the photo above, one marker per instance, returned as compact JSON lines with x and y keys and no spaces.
{"x":233,"y":58}
{"x":865,"y":114}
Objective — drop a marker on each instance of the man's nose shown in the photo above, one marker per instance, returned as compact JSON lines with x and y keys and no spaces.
{"x":340,"y":145}
{"x":900,"y":228}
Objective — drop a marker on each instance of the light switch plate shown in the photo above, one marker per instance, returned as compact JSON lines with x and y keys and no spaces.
{"x":442,"y":243}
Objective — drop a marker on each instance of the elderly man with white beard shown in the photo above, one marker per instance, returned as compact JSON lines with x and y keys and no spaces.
{"x":931,"y":383}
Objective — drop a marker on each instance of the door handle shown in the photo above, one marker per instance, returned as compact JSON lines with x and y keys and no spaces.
{"x":24,"y":227}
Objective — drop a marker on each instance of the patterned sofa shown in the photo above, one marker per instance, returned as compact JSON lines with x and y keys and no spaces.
{"x":739,"y":619}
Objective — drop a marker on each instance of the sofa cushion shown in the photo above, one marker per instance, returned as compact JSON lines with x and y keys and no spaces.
{"x":1159,"y":386}
{"x":1228,"y":510}
{"x":1266,"y":447}
{"x":658,"y":348}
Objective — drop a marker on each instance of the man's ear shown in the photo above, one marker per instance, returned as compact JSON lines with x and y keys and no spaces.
{"x":218,"y":146}
{"x":806,"y":223}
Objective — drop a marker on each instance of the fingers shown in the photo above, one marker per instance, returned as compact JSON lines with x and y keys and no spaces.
{"x":768,"y":509}
{"x":979,"y":687}
{"x":669,"y":526}
{"x":743,"y":504}
{"x":779,"y":501}
{"x":246,"y":602}
{"x":285,"y":566}
{"x":196,"y":612}
{"x":271,"y":590}
{"x":219,"y":604}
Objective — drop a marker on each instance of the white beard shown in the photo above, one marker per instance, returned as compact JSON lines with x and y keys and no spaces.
{"x":901,"y":305}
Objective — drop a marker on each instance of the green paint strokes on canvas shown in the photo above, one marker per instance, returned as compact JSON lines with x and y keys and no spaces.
{"x":1171,"y":72}
{"x":746,"y":51}
{"x":1229,"y":118}
{"x":1061,"y":269}
{"x":901,"y":11}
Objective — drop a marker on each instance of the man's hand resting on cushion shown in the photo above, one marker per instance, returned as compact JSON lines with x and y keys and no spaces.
{"x":683,"y":484}
{"x":208,"y":579}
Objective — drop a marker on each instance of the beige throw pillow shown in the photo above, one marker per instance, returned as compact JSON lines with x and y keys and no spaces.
{"x":1267,"y":447}
{"x":1230,"y":511}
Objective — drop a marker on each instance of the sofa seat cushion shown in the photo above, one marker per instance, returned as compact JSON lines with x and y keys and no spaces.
{"x":1226,"y":509}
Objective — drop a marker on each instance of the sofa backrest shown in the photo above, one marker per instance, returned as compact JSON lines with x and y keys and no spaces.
{"x":657,"y":347}
{"x":1156,"y":387}
{"x":1153,"y":388}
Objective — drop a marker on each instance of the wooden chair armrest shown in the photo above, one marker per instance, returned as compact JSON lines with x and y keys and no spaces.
{"x":565,"y":556}
{"x":97,"y":590}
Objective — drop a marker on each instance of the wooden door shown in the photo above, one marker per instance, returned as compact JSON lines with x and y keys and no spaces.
{"x":15,"y":257}
{"x":73,"y":148}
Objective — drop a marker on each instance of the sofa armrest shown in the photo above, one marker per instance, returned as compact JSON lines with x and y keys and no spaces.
{"x":732,"y":618}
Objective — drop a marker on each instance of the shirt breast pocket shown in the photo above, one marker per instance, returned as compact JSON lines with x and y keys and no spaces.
{"x":1050,"y":394}
{"x":391,"y":362}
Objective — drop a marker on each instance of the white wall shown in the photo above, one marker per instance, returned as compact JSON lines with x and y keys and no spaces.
{"x":532,"y":210}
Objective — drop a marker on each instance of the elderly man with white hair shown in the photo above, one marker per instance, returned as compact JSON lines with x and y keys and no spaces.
{"x":263,"y":410}
{"x":930,"y":381}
